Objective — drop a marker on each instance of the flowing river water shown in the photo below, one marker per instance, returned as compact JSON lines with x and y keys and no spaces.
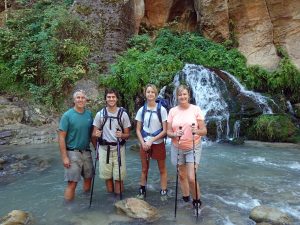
{"x":234,"y":179}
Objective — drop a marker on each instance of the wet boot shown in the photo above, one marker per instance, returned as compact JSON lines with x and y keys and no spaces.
{"x":142,"y":193}
{"x":164,"y":195}
{"x":197,"y":206}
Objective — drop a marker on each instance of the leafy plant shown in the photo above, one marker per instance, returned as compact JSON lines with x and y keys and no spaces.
{"x":158,"y":60}
{"x":45,"y":49}
{"x":277,"y":128}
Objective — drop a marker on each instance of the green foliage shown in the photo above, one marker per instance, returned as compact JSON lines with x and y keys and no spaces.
{"x":157,"y":61}
{"x":45,"y":49}
{"x":275,"y":128}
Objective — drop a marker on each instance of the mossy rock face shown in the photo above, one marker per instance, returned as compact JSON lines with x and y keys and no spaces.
{"x":297,"y":110}
{"x":275,"y":128}
{"x":83,"y":10}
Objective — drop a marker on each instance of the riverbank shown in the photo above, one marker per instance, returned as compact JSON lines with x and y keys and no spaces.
{"x":272,"y":144}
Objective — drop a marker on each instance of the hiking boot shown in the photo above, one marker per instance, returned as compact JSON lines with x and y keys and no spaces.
{"x":197,"y":207}
{"x":142,"y":193}
{"x":164,"y":195}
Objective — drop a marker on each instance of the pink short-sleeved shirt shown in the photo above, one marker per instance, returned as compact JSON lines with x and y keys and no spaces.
{"x":185,"y":118}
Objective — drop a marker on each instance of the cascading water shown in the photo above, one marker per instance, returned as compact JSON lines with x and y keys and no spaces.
{"x":261,"y":100}
{"x":210,"y":92}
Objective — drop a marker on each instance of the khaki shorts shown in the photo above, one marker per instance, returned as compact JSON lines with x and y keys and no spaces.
{"x":111,"y":170}
{"x":81,"y":165}
{"x":185,"y":156}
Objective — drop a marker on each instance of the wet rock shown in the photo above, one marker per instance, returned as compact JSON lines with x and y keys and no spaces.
{"x":10,"y":114}
{"x":5,"y":133}
{"x":2,"y":161}
{"x":42,"y":164}
{"x":267,"y":215}
{"x":138,"y":209}
{"x":17,"y":166}
{"x":135,"y":147}
{"x":297,"y":110}
{"x":17,"y":217}
{"x":21,"y":156}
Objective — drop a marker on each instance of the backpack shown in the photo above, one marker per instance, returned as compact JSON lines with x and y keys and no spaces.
{"x":160,"y":102}
{"x":118,"y":117}
{"x":106,"y":117}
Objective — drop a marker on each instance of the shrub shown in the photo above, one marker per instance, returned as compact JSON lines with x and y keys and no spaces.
{"x":275,"y":128}
{"x":45,"y":49}
{"x":158,"y":60}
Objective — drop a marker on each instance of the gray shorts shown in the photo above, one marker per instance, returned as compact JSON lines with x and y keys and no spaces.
{"x":185,"y":156}
{"x":81,"y":165}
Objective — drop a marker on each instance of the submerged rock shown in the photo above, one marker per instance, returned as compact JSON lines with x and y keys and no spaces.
{"x":138,"y":209}
{"x":17,"y":217}
{"x":267,"y":215}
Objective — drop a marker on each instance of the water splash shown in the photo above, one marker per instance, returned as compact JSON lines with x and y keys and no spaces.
{"x":236,"y":129}
{"x":290,"y":108}
{"x":211,"y":94}
{"x":261,"y":100}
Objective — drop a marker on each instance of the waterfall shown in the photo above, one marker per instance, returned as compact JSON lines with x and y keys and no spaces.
{"x":260,"y":99}
{"x":290,"y":108}
{"x":210,"y":92}
{"x":236,"y":129}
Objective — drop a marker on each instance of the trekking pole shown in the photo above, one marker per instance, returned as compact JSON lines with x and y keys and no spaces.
{"x":93,"y":180}
{"x":148,"y":165}
{"x":194,"y":153}
{"x":177,"y":170}
{"x":119,"y":164}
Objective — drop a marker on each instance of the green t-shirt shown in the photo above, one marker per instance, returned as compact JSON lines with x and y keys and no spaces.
{"x":78,"y":127}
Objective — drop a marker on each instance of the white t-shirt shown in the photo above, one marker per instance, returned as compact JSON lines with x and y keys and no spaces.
{"x":152,"y":125}
{"x":111,"y":125}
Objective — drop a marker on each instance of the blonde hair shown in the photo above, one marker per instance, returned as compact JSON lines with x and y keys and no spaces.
{"x":153,"y":87}
{"x":181,"y":88}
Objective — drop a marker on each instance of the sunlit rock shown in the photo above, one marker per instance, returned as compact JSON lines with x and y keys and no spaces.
{"x":264,"y":214}
{"x":17,"y":217}
{"x":138,"y":209}
{"x":10,"y":114}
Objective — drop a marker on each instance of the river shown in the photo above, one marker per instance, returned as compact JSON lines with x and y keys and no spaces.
{"x":233,"y":179}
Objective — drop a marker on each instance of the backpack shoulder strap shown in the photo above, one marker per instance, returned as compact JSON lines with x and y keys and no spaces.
{"x":104,"y":114}
{"x":159,"y":112}
{"x":119,"y":117}
{"x":143,"y":113}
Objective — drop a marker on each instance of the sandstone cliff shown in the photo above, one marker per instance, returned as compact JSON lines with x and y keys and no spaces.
{"x":258,"y":26}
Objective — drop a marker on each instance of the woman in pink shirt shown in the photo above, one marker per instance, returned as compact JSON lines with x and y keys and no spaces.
{"x":186,"y":123}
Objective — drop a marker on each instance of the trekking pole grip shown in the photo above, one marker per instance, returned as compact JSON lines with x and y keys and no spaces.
{"x":193,"y":131}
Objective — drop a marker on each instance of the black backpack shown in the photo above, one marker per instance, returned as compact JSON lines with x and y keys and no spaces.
{"x":119,"y":119}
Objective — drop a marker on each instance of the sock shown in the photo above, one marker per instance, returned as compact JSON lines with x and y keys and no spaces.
{"x":198,"y":201}
{"x":142,"y":189}
{"x":186,"y":198}
{"x":163,"y":192}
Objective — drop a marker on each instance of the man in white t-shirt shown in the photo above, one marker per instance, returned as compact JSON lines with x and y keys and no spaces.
{"x":112,"y":125}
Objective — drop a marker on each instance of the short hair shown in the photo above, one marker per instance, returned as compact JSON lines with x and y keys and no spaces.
{"x":111,"y":91}
{"x":79,"y":91}
{"x":153,"y":87}
{"x":182,"y":87}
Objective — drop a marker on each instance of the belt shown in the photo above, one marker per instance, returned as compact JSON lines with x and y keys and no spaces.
{"x":77,"y":150}
{"x":109,"y":143}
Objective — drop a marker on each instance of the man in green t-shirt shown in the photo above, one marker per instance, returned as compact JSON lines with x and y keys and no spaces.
{"x":74,"y":142}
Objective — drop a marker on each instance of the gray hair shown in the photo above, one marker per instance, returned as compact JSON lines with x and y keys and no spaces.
{"x":79,"y":91}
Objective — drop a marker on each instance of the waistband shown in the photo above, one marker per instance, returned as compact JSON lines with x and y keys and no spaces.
{"x":104,"y":142}
{"x":78,"y":150}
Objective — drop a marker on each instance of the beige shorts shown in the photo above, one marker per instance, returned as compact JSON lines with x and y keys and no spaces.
{"x":111,"y":170}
